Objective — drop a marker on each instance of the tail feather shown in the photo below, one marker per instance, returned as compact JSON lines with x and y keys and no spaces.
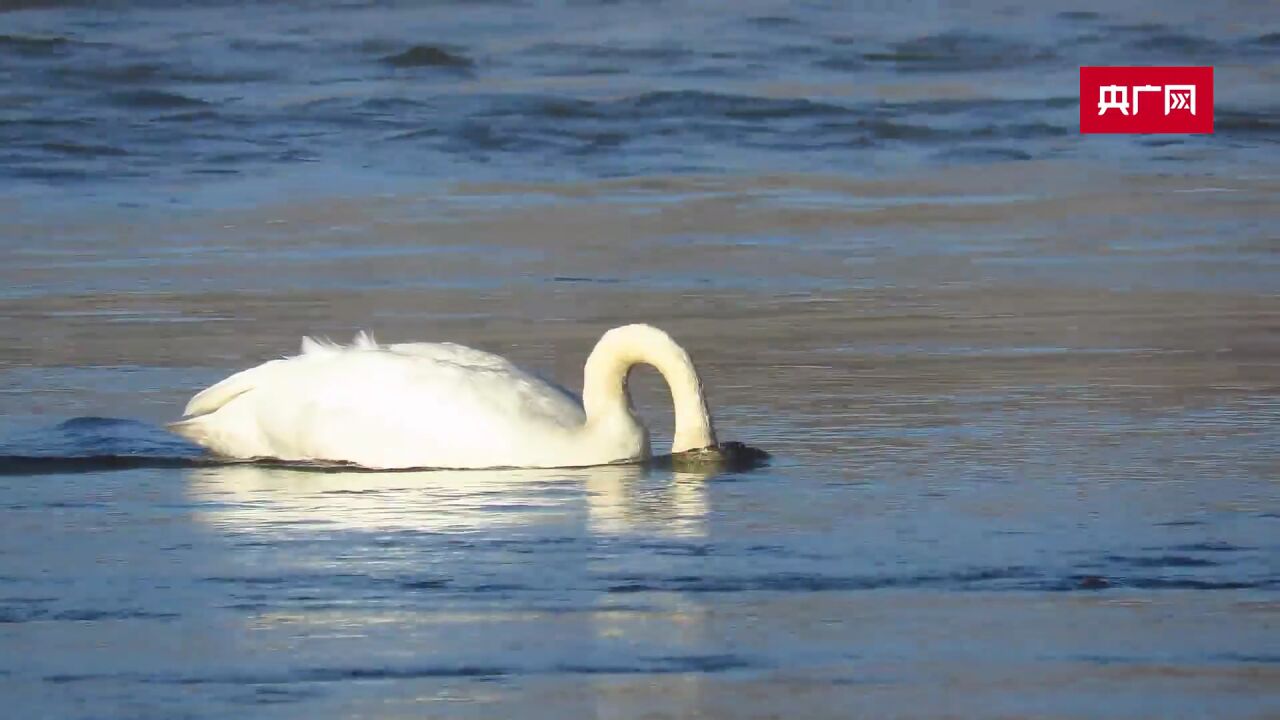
{"x":312,"y":346}
{"x":212,"y":398}
{"x":193,"y":429}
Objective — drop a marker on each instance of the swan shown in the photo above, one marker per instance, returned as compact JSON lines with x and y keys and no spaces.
{"x":442,"y":405}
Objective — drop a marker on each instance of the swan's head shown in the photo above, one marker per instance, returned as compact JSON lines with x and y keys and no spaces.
{"x":721,"y":457}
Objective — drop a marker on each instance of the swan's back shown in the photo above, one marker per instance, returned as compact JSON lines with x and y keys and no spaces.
{"x":386,"y":406}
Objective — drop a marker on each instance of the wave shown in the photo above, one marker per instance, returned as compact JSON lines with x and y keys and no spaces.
{"x":98,"y":444}
{"x":33,"y":44}
{"x":954,"y":52}
{"x":429,"y":56}
{"x":153,"y":100}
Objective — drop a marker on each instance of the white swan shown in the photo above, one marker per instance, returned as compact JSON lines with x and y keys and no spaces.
{"x":442,"y":405}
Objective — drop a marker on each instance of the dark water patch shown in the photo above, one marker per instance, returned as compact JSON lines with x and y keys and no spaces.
{"x":1270,"y":40}
{"x":68,"y":678}
{"x":251,"y":45}
{"x":1083,"y":582}
{"x":590,"y":280}
{"x":981,"y":578}
{"x":100,"y":615}
{"x":82,"y":150}
{"x":1176,"y":44}
{"x":416,"y":135}
{"x":985,"y":154}
{"x":662,"y":665}
{"x":1264,"y":126}
{"x":1079,"y":15}
{"x":143,"y":73}
{"x":278,"y":695}
{"x":1088,"y":582}
{"x":676,"y":549}
{"x":428,"y":56}
{"x":891,"y":130}
{"x":513,"y":114}
{"x":1252,"y":658}
{"x":33,"y":45}
{"x":628,"y":55}
{"x":1180,"y":523}
{"x":1019,"y":131}
{"x":496,"y":588}
{"x":37,"y":614}
{"x":1161,"y":561}
{"x":153,"y":100}
{"x":316,"y":675}
{"x":430,"y":584}
{"x":250,"y":607}
{"x":959,"y":52}
{"x":708,"y":663}
{"x":342,"y":674}
{"x":997,"y":112}
{"x":32,"y":465}
{"x":193,"y":116}
{"x":773,"y":21}
{"x":687,"y":103}
{"x":1208,"y":546}
{"x":1144,"y":28}
{"x":88,"y":444}
{"x":45,"y":173}
{"x":247,"y":580}
{"x":844,"y":61}
{"x":388,"y":105}
{"x":1013,"y":579}
{"x":72,"y":505}
{"x":1161,"y":583}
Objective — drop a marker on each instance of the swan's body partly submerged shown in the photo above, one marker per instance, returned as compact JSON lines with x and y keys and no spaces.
{"x":442,"y":405}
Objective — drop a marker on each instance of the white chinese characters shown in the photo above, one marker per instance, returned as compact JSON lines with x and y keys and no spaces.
{"x":1119,"y":97}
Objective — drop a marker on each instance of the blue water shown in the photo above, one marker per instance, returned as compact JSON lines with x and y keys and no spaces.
{"x":158,"y":100}
{"x":1019,"y":385}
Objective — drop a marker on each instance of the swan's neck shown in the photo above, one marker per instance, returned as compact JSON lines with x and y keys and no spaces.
{"x":604,"y":386}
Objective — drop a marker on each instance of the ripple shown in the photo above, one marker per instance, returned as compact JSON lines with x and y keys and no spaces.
{"x":710,"y":104}
{"x":153,"y":100}
{"x":702,"y":664}
{"x":980,"y":578}
{"x":33,"y":44}
{"x":83,"y":150}
{"x":1263,"y":126}
{"x":1162,"y":561}
{"x":143,"y":73}
{"x":428,"y":56}
{"x":20,"y":615}
{"x":959,"y":52}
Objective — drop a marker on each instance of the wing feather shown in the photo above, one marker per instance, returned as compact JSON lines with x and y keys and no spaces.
{"x":214,"y":397}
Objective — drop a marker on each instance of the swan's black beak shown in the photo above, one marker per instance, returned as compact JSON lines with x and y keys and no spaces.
{"x":724,"y":457}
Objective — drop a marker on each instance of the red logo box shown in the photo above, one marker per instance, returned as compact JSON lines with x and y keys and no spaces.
{"x":1146,"y":100}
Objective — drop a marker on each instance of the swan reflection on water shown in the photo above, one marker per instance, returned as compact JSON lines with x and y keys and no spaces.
{"x":445,"y":571}
{"x":607,"y":499}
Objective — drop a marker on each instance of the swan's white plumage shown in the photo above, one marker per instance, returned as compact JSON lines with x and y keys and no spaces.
{"x":440,"y":405}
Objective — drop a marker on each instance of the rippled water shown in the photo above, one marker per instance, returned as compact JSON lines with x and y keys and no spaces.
{"x":1022,"y":387}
